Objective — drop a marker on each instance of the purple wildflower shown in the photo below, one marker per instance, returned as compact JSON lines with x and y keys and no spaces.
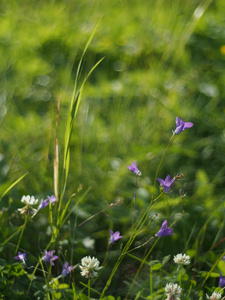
{"x":66,"y":269}
{"x":49,"y":257}
{"x":164,"y":230}
{"x":181,"y":125}
{"x":166,"y":183}
{"x":114,"y":236}
{"x":222,"y":281}
{"x":46,"y":202}
{"x":21,"y":257}
{"x":134,"y":169}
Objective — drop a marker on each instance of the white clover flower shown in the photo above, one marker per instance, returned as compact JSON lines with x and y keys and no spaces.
{"x":182,"y":259}
{"x":89,"y":266}
{"x":214,"y":296}
{"x":28,"y":211}
{"x":173,"y":291}
{"x":30,"y":200}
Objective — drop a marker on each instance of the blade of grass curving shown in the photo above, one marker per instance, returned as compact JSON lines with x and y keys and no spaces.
{"x":70,"y":124}
{"x":74,"y":105}
{"x":12,"y":185}
{"x":62,"y":219}
{"x":202,"y":7}
{"x":56,"y":158}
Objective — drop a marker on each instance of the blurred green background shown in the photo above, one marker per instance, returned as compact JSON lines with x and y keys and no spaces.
{"x":162,"y":59}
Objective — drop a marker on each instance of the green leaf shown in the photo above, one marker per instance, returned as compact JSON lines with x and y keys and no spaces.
{"x":166,"y":259}
{"x":63,"y":286}
{"x":156,"y":267}
{"x":221,"y":267}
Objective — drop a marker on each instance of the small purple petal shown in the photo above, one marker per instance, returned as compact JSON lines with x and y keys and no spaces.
{"x":114,"y":236}
{"x":66,"y":269}
{"x":134,"y":169}
{"x":166,"y":183}
{"x":222,"y":281}
{"x":164,"y":230}
{"x":21,"y":256}
{"x":49,"y":257}
{"x":46,"y":202}
{"x":181,"y":125}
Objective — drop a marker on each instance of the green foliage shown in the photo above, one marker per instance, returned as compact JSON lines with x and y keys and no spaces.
{"x":162,"y":59}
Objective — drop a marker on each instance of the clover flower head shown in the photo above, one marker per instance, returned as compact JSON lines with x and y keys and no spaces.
{"x":166,"y":183}
{"x":46,"y":202}
{"x":222,"y":281}
{"x":29,"y":200}
{"x":21,"y":257}
{"x":134,"y":169}
{"x":182,"y":259}
{"x":173,"y":291}
{"x":28,"y":210}
{"x":66,"y":269}
{"x":181,"y":125}
{"x":89,"y":266}
{"x":214,"y":296}
{"x":164,"y":230}
{"x":50,"y":257}
{"x":114,"y":236}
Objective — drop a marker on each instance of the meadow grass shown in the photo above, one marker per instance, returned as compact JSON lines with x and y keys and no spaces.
{"x":170,"y":240}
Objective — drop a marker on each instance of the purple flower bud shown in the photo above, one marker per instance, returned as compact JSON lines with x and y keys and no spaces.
{"x":222,"y":281}
{"x":66,"y":269}
{"x":181,"y":125}
{"x":164,"y":230}
{"x":134,"y":169}
{"x":114,"y":236}
{"x":46,"y":202}
{"x":50,"y":257}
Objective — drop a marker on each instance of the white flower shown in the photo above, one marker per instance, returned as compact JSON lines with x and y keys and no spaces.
{"x":173,"y":291}
{"x":214,"y":296}
{"x":30,"y":200}
{"x":89,"y":266}
{"x":182,"y":259}
{"x":28,"y":211}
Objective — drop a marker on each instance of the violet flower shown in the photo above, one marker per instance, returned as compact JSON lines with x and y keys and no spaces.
{"x":21,"y":257}
{"x":46,"y":202}
{"x":66,"y":269}
{"x":181,"y":125}
{"x":221,"y":281}
{"x":164,"y":230}
{"x":166,"y":183}
{"x":50,"y":257}
{"x":114,"y":236}
{"x":134,"y":169}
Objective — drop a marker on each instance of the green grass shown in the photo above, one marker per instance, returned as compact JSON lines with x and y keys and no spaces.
{"x":162,"y":59}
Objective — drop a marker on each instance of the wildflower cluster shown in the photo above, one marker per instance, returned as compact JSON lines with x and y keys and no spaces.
{"x":90,"y":266}
{"x":30,"y":201}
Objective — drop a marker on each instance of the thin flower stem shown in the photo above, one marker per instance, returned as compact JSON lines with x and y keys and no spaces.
{"x":107,"y":252}
{"x":162,"y":159}
{"x":150,"y":281}
{"x":139,"y":269}
{"x":180,"y":275}
{"x":89,"y":290}
{"x":135,"y":232}
{"x":21,"y":234}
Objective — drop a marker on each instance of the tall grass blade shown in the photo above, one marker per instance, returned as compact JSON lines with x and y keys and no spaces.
{"x":56,"y":158}
{"x":74,"y":105}
{"x":12,"y":185}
